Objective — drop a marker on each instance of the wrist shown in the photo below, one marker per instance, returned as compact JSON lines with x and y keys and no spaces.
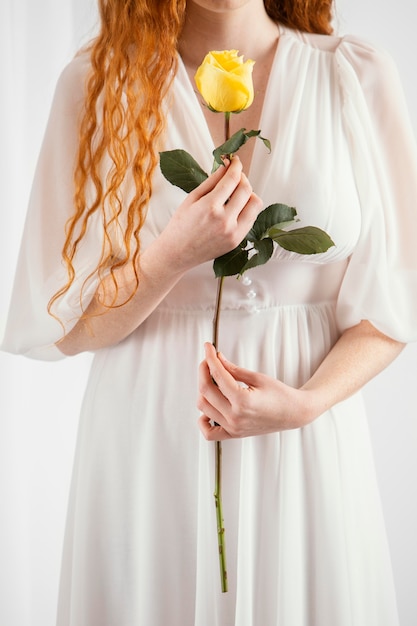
{"x":163,"y":261}
{"x":170,"y":254}
{"x":312,"y":405}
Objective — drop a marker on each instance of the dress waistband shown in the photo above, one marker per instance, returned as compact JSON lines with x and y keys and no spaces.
{"x":274,"y":284}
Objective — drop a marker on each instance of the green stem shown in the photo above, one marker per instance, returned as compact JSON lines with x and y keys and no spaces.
{"x":218,"y":459}
{"x":220,"y":282}
{"x":227,"y":116}
{"x":219,"y":517}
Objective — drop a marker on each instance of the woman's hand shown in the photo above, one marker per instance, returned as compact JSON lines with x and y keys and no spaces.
{"x":263,"y":405}
{"x":267,"y":405}
{"x":213,"y":219}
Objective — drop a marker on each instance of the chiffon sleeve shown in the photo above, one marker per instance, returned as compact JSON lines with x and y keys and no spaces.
{"x":40,"y":273}
{"x":380,"y":284}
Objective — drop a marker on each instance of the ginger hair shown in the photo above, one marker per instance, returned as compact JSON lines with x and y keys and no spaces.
{"x":310,"y":16}
{"x":133,"y":62}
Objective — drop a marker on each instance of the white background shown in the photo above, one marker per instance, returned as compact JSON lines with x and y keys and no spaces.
{"x":39,"y":402}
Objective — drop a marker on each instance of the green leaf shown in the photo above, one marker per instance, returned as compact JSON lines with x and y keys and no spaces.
{"x":306,"y":240}
{"x":257,"y":133}
{"x":275,"y":216}
{"x":264,"y":248}
{"x":231,"y":263}
{"x":236,"y":141}
{"x":251,"y":133}
{"x":266,"y":143}
{"x":232,"y":145}
{"x":181,"y":170}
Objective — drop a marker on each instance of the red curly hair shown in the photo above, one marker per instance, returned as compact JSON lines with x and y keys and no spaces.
{"x":137,"y":46}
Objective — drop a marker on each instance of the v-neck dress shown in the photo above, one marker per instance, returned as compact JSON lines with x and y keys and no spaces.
{"x":305,"y":537}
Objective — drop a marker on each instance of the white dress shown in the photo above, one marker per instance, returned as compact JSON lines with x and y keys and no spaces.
{"x":305,"y":538}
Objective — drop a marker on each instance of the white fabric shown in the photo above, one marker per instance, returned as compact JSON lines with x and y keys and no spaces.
{"x":305,"y":537}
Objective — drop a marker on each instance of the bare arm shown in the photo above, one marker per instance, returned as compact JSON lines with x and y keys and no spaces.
{"x":361,"y":353}
{"x":267,"y":405}
{"x":212,"y":220}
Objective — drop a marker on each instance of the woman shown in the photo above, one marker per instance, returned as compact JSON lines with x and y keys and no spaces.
{"x":122,"y":260}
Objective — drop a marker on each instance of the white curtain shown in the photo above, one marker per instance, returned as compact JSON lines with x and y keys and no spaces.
{"x":39,"y":402}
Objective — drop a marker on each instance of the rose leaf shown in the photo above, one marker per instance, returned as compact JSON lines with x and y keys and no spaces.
{"x":306,"y":240}
{"x":181,"y":169}
{"x":231,"y":263}
{"x":264,"y":249}
{"x":274,"y":216}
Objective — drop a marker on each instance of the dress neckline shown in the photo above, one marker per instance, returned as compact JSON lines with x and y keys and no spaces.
{"x":266,"y":103}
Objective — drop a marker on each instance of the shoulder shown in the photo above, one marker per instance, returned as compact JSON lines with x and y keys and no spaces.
{"x":375,"y":72}
{"x":324,"y":43}
{"x":372,"y":64}
{"x":70,"y":87}
{"x":365,"y":57}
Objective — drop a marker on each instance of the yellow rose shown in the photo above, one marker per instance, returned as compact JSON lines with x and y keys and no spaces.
{"x":225,"y":81}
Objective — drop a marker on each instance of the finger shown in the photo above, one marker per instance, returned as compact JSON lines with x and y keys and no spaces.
{"x":210,"y":411}
{"x":229,"y":182}
{"x":225,"y":382}
{"x":251,"y":210}
{"x":240,"y":196}
{"x":211,"y":393}
{"x":209,"y":184}
{"x":212,"y":432}
{"x":248,"y":377}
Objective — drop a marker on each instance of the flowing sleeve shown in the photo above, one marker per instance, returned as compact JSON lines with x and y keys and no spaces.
{"x":380,"y":284}
{"x":40,"y":273}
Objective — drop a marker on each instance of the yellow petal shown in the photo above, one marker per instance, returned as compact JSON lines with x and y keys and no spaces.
{"x":225,"y":81}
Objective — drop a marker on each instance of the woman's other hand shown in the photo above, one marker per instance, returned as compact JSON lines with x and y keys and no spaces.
{"x":264,"y":404}
{"x":243,"y":403}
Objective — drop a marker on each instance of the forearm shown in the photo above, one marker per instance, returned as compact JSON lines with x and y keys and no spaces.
{"x":102,"y":325}
{"x":359,"y":355}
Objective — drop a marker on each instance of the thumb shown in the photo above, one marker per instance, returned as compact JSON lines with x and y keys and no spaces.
{"x":240,"y":374}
